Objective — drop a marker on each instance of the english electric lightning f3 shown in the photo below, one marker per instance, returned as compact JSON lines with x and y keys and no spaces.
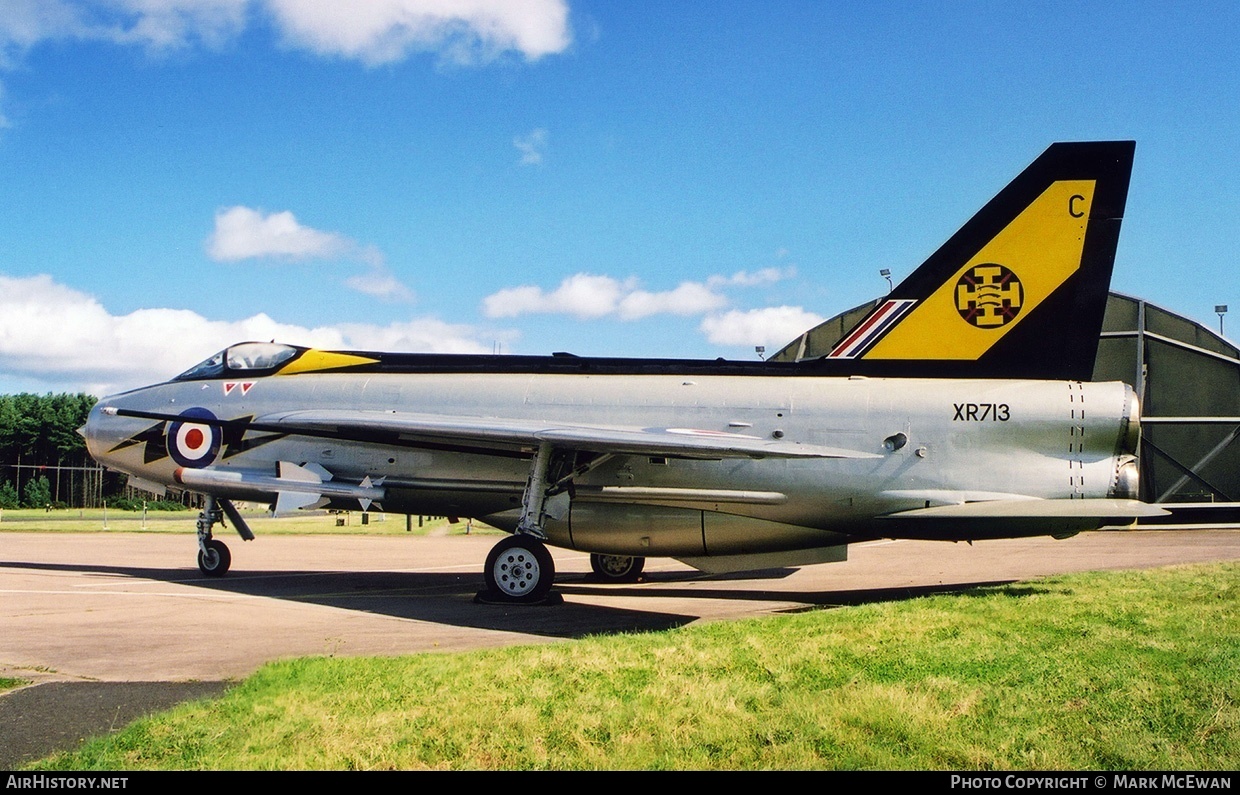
{"x":958,"y":409}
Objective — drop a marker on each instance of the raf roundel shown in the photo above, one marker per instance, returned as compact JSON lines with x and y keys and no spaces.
{"x":194,"y":444}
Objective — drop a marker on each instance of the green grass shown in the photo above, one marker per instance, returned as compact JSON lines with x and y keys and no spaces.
{"x":8,"y":683}
{"x":1122,"y":671}
{"x":74,"y":520}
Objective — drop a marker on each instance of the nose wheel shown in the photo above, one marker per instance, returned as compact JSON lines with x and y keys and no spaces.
{"x":214,"y":558}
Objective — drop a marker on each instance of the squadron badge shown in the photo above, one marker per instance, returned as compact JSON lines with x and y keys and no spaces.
{"x":989,"y":296}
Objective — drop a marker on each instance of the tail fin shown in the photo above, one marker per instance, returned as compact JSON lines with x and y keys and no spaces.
{"x":1020,"y":290}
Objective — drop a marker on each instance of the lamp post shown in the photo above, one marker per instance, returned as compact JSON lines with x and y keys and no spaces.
{"x":1221,"y":309}
{"x":886,"y":274}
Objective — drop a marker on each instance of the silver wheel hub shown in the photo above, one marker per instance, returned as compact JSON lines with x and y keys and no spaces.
{"x":516,"y":571}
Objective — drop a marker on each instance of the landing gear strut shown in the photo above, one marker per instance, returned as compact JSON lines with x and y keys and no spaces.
{"x":519,"y":568}
{"x":213,"y":555}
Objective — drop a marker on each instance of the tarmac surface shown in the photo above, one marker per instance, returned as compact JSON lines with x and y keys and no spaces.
{"x":112,"y":626}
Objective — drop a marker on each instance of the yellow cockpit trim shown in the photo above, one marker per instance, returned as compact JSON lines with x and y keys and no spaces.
{"x":313,"y":361}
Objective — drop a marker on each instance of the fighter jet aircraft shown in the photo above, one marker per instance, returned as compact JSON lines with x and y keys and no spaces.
{"x":958,"y":409}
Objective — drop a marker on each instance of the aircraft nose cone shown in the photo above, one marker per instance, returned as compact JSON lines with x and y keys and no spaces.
{"x":91,"y":430}
{"x":122,"y":442}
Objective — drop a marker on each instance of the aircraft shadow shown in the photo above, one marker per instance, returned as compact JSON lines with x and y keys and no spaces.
{"x":448,"y":598}
{"x":807,"y":600}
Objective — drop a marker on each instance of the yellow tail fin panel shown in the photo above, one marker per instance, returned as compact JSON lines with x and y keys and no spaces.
{"x":1001,"y":284}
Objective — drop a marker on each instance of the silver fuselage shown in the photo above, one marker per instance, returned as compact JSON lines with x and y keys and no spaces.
{"x":933,"y":442}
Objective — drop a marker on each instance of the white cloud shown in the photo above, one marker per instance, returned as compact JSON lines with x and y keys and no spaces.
{"x":26,"y":22}
{"x":532,"y":147}
{"x":426,"y":334}
{"x":379,"y":283}
{"x":171,"y":24}
{"x":583,"y":296}
{"x":66,"y":339}
{"x":774,"y":325}
{"x":462,"y":31}
{"x":752,"y":279}
{"x":373,"y":32}
{"x":689,"y":298}
{"x":155,"y":24}
{"x":243,"y":233}
{"x":587,"y":296}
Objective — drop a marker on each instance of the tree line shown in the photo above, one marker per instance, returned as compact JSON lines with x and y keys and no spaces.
{"x":43,"y":460}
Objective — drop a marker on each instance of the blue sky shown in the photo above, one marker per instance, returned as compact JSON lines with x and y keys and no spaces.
{"x":608,"y":178}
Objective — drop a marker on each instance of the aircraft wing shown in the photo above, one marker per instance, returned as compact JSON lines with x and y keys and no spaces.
{"x":500,"y":434}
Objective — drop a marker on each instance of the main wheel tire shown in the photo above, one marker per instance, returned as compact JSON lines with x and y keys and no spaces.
{"x":215,"y":560}
{"x":617,"y":568}
{"x":520,"y":569}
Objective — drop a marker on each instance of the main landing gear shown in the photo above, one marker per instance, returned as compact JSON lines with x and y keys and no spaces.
{"x":213,"y":555}
{"x":617,"y":568}
{"x":519,"y":568}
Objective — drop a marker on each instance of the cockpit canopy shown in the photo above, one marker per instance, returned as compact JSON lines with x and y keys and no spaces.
{"x":244,"y":357}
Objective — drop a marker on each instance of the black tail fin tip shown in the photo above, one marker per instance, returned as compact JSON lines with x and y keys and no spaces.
{"x":1020,"y":290}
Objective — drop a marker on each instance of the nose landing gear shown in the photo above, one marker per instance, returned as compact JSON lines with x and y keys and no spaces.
{"x":213,"y":555}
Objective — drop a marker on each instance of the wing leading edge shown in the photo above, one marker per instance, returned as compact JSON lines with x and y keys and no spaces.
{"x":509,"y":434}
